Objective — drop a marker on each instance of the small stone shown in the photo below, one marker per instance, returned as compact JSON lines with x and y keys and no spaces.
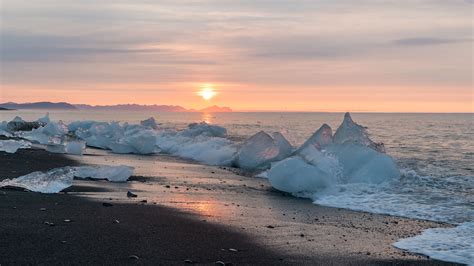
{"x":167,"y":186}
{"x":270,"y":226}
{"x":63,"y":242}
{"x":302,"y":235}
{"x":116,"y":221}
{"x":67,"y":221}
{"x":133,"y":257}
{"x":43,"y":209}
{"x":131,"y":195}
{"x":106,"y":204}
{"x":219,"y":263}
{"x":188,"y":261}
{"x":368,"y":253}
{"x":144,"y":201}
{"x":233,"y":250}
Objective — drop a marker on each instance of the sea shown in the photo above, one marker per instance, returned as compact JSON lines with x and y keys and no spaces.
{"x":434,"y":152}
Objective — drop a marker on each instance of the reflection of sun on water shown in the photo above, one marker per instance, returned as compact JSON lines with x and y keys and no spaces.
{"x":207,"y":117}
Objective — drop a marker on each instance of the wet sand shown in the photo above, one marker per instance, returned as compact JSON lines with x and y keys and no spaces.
{"x":192,"y":214}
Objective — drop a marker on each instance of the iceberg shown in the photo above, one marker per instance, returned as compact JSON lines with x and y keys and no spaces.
{"x":12,"y":146}
{"x":58,"y":179}
{"x":323,"y":161}
{"x":261,"y":149}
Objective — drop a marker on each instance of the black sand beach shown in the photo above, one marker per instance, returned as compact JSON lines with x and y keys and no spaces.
{"x":73,"y":228}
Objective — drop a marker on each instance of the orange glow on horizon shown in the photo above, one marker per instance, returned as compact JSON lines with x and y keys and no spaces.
{"x":243,"y":97}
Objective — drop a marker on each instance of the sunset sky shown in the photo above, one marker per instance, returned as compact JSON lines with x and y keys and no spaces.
{"x":290,"y":55}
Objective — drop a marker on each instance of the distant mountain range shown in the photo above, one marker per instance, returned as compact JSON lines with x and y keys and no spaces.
{"x":39,"y":105}
{"x":121,"y":107}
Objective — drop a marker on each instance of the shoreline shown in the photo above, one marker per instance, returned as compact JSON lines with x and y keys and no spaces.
{"x":189,"y":208}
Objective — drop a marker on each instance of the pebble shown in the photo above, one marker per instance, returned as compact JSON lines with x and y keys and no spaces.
{"x":233,"y":250}
{"x":133,"y":257}
{"x":188,"y":261}
{"x":270,"y":226}
{"x":106,"y":204}
{"x":67,"y":221}
{"x":131,"y":195}
{"x":43,"y":209}
{"x":219,"y":263}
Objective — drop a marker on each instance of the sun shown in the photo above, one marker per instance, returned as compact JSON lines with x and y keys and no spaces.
{"x":207,"y":93}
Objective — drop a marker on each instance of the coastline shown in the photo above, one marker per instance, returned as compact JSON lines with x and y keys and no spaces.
{"x":192,"y":212}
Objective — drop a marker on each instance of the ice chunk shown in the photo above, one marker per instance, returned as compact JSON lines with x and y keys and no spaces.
{"x":11,"y":146}
{"x":5,"y":134}
{"x":58,"y":179}
{"x":44,"y":120}
{"x":56,"y":148}
{"x":18,"y":124}
{"x":362,"y":164}
{"x":351,"y":132}
{"x":321,"y":138}
{"x":296,"y":175}
{"x":446,"y":244}
{"x":75,"y":147}
{"x":211,"y":151}
{"x":261,"y":149}
{"x":52,"y":181}
{"x":111,"y":173}
{"x":150,"y":122}
{"x":203,"y":129}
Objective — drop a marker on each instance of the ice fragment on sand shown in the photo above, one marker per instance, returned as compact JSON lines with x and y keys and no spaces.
{"x":11,"y":146}
{"x":58,"y":179}
{"x":111,"y":173}
{"x":52,"y":181}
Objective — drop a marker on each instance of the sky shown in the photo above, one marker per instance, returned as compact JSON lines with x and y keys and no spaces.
{"x":260,"y":55}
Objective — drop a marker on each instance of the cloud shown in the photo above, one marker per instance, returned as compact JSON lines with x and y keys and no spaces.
{"x":421,"y":41}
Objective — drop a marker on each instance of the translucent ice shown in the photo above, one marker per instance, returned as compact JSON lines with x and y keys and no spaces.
{"x":294,"y":175}
{"x":56,"y":180}
{"x":447,"y":244}
{"x":150,"y":122}
{"x":320,"y":139}
{"x":52,"y":181}
{"x":111,"y":173}
{"x":320,"y":162}
{"x":11,"y":146}
{"x":351,"y":132}
{"x":261,"y":149}
{"x":204,"y":129}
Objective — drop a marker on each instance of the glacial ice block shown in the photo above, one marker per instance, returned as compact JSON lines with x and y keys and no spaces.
{"x":261,"y":149}
{"x":351,"y":132}
{"x":111,"y":173}
{"x":150,"y":122}
{"x":361,"y":164}
{"x":204,"y":129}
{"x":320,"y":139}
{"x":56,"y":180}
{"x":12,"y":146}
{"x":52,"y":181}
{"x":296,"y":175}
